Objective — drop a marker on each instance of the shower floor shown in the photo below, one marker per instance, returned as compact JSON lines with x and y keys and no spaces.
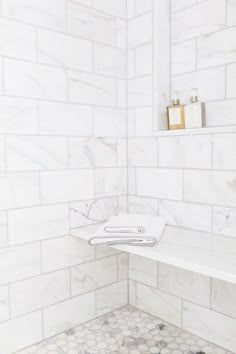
{"x":126,"y":330}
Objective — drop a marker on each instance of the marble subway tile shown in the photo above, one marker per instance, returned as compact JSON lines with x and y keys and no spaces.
{"x":210,"y":84}
{"x":224,"y":221}
{"x":210,"y":325}
{"x":65,"y":252}
{"x":25,"y":330}
{"x":205,"y":17}
{"x":224,"y":151}
{"x":217,"y":48}
{"x":105,"y":251}
{"x":67,"y":185}
{"x":1,"y":76}
{"x":140,"y":30}
{"x":2,"y":154}
{"x":3,"y":230}
{"x":17,"y":40}
{"x":90,"y":24}
{"x":34,"y":80}
{"x":177,"y":5}
{"x":183,"y":57}
{"x":19,"y":262}
{"x":92,"y":89}
{"x":88,"y":3}
{"x":231,"y":13}
{"x":112,"y":7}
{"x":142,"y":6}
{"x":185,"y":152}
{"x":187,"y":215}
{"x":160,"y":183}
{"x":92,"y":152}
{"x":122,"y":152}
{"x":123,"y":263}
{"x":44,"y":13}
{"x":26,"y":153}
{"x":142,"y":205}
{"x":110,"y":182}
{"x":210,"y":187}
{"x":185,"y":284}
{"x":63,"y":50}
{"x":109,"y":122}
{"x":142,"y":152}
{"x":57,"y":118}
{"x":143,"y":60}
{"x":38,"y":292}
{"x":165,"y":306}
{"x":38,"y":223}
{"x":111,"y":297}
{"x":223,"y":297}
{"x":130,"y":9}
{"x":143,"y":121}
{"x":4,"y":304}
{"x":68,"y":314}
{"x":93,"y":275}
{"x":18,"y":116}
{"x":143,"y":270}
{"x":109,"y":61}
{"x":121,"y":95}
{"x":132,"y":293}
{"x":121,"y":33}
{"x":220,"y":113}
{"x":92,"y":211}
{"x":132,"y":183}
{"x":20,"y":189}
{"x":231,"y":80}
{"x":131,"y":70}
{"x":140,"y":91}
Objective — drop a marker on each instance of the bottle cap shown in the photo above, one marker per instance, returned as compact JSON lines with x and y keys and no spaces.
{"x":194,"y":95}
{"x":175,"y":99}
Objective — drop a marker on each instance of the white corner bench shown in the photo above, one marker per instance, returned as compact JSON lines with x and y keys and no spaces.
{"x":200,"y":252}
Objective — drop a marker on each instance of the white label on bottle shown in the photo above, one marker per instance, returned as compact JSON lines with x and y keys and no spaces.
{"x":175,"y":116}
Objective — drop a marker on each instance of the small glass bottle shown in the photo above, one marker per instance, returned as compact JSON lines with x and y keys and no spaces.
{"x":194,"y":112}
{"x":175,"y":114}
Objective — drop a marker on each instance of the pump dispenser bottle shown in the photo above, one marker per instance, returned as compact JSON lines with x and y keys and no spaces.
{"x":175,"y":114}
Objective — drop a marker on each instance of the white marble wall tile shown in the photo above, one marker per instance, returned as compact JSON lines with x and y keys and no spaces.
{"x":131,"y":71}
{"x":210,"y":325}
{"x":111,"y":297}
{"x":109,"y":61}
{"x":132,"y":293}
{"x":143,"y":121}
{"x":121,"y":94}
{"x":143,"y":270}
{"x":87,"y":88}
{"x":17,"y":40}
{"x":165,"y":306}
{"x":18,"y":116}
{"x":65,"y":252}
{"x":25,"y":330}
{"x":141,"y":205}
{"x":26,"y":153}
{"x":3,"y":230}
{"x":19,"y":190}
{"x":123,"y":261}
{"x":185,"y":284}
{"x":143,"y":60}
{"x":34,"y":80}
{"x":110,"y":182}
{"x":185,"y":152}
{"x":67,"y":185}
{"x":223,"y":297}
{"x":217,"y":48}
{"x":142,"y":152}
{"x":105,"y":251}
{"x":210,"y":187}
{"x":112,"y":7}
{"x":4,"y":304}
{"x":177,"y":5}
{"x":38,"y":223}
{"x":142,"y":6}
{"x":140,"y":30}
{"x":44,"y":13}
{"x":2,"y":154}
{"x":195,"y":21}
{"x":231,"y":80}
{"x":183,"y":57}
{"x":92,"y":152}
{"x":140,"y":91}
{"x":187,"y":215}
{"x":221,"y":113}
{"x":90,"y":24}
{"x":63,"y":50}
{"x":57,"y":118}
{"x":130,"y":9}
{"x":210,"y":84}
{"x":122,"y":204}
{"x":231,"y":13}
{"x":92,"y":211}
{"x":121,"y":33}
{"x":91,"y":276}
{"x":68,"y":314}
{"x":19,"y":262}
{"x":224,"y":151}
{"x":132,"y":185}
{"x":224,"y":221}
{"x":109,"y":122}
{"x":1,"y":76}
{"x":160,"y":183}
{"x":122,"y":152}
{"x":38,"y":292}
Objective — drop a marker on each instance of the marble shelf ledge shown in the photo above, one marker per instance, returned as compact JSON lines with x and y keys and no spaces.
{"x":200,"y":252}
{"x":198,"y":131}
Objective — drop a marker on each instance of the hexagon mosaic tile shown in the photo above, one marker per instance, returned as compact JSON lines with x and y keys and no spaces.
{"x":126,"y":330}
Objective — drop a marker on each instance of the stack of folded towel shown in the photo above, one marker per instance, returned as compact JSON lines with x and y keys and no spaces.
{"x":136,"y":230}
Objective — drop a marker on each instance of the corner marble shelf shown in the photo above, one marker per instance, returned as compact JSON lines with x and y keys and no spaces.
{"x":200,"y":252}
{"x":197,"y":131}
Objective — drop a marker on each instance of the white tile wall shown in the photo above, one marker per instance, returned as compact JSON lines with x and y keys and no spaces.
{"x":4,"y":303}
{"x":111,"y":297}
{"x":223,"y":297}
{"x":231,"y":81}
{"x":224,"y":221}
{"x":3,"y":230}
{"x":143,"y":270}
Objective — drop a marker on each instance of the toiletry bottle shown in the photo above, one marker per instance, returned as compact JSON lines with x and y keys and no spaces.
{"x":175,"y":114}
{"x":194,"y":112}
